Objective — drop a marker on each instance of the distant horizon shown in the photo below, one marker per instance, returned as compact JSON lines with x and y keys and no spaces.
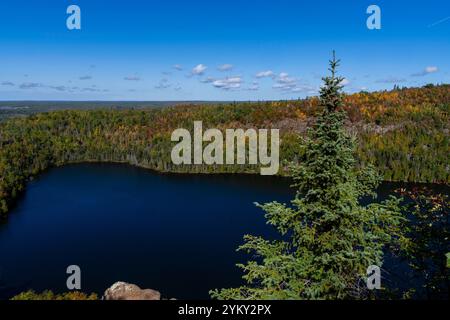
{"x":210,"y":101}
{"x":208,"y":51}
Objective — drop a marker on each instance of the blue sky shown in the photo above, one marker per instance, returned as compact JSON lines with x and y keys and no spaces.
{"x":216,"y":50}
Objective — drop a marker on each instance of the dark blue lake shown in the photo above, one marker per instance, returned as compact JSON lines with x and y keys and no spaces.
{"x":173,"y":233}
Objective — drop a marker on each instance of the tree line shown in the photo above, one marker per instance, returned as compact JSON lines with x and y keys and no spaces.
{"x":403,"y":132}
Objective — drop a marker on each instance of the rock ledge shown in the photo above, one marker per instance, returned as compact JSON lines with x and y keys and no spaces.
{"x":127,"y":291}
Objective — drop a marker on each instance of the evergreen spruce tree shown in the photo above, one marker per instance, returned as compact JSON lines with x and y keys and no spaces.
{"x":328,"y":240}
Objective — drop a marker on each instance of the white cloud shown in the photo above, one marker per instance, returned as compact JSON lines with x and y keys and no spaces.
{"x":225,"y":67}
{"x":285,"y":83}
{"x":283,"y":78}
{"x":199,"y":69}
{"x":254,"y":86}
{"x":30,"y":85}
{"x":284,"y":86}
{"x":304,"y":88}
{"x":228,"y":83}
{"x":288,"y":84}
{"x":427,"y":70}
{"x":178,"y":67}
{"x":265,"y":74}
{"x":207,"y":80}
{"x":345,"y":82}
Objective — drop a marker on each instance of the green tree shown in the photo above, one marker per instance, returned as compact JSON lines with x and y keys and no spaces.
{"x":327,"y":238}
{"x":49,"y":295}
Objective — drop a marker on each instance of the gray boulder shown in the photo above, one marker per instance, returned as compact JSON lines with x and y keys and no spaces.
{"x":127,"y":291}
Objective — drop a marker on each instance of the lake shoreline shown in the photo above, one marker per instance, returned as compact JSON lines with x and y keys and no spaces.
{"x":12,"y":202}
{"x":179,"y":228}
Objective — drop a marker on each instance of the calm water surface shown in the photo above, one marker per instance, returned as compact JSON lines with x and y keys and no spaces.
{"x":173,"y":233}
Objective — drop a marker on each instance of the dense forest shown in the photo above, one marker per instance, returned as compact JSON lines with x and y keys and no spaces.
{"x":403,"y":132}
{"x":327,"y":238}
